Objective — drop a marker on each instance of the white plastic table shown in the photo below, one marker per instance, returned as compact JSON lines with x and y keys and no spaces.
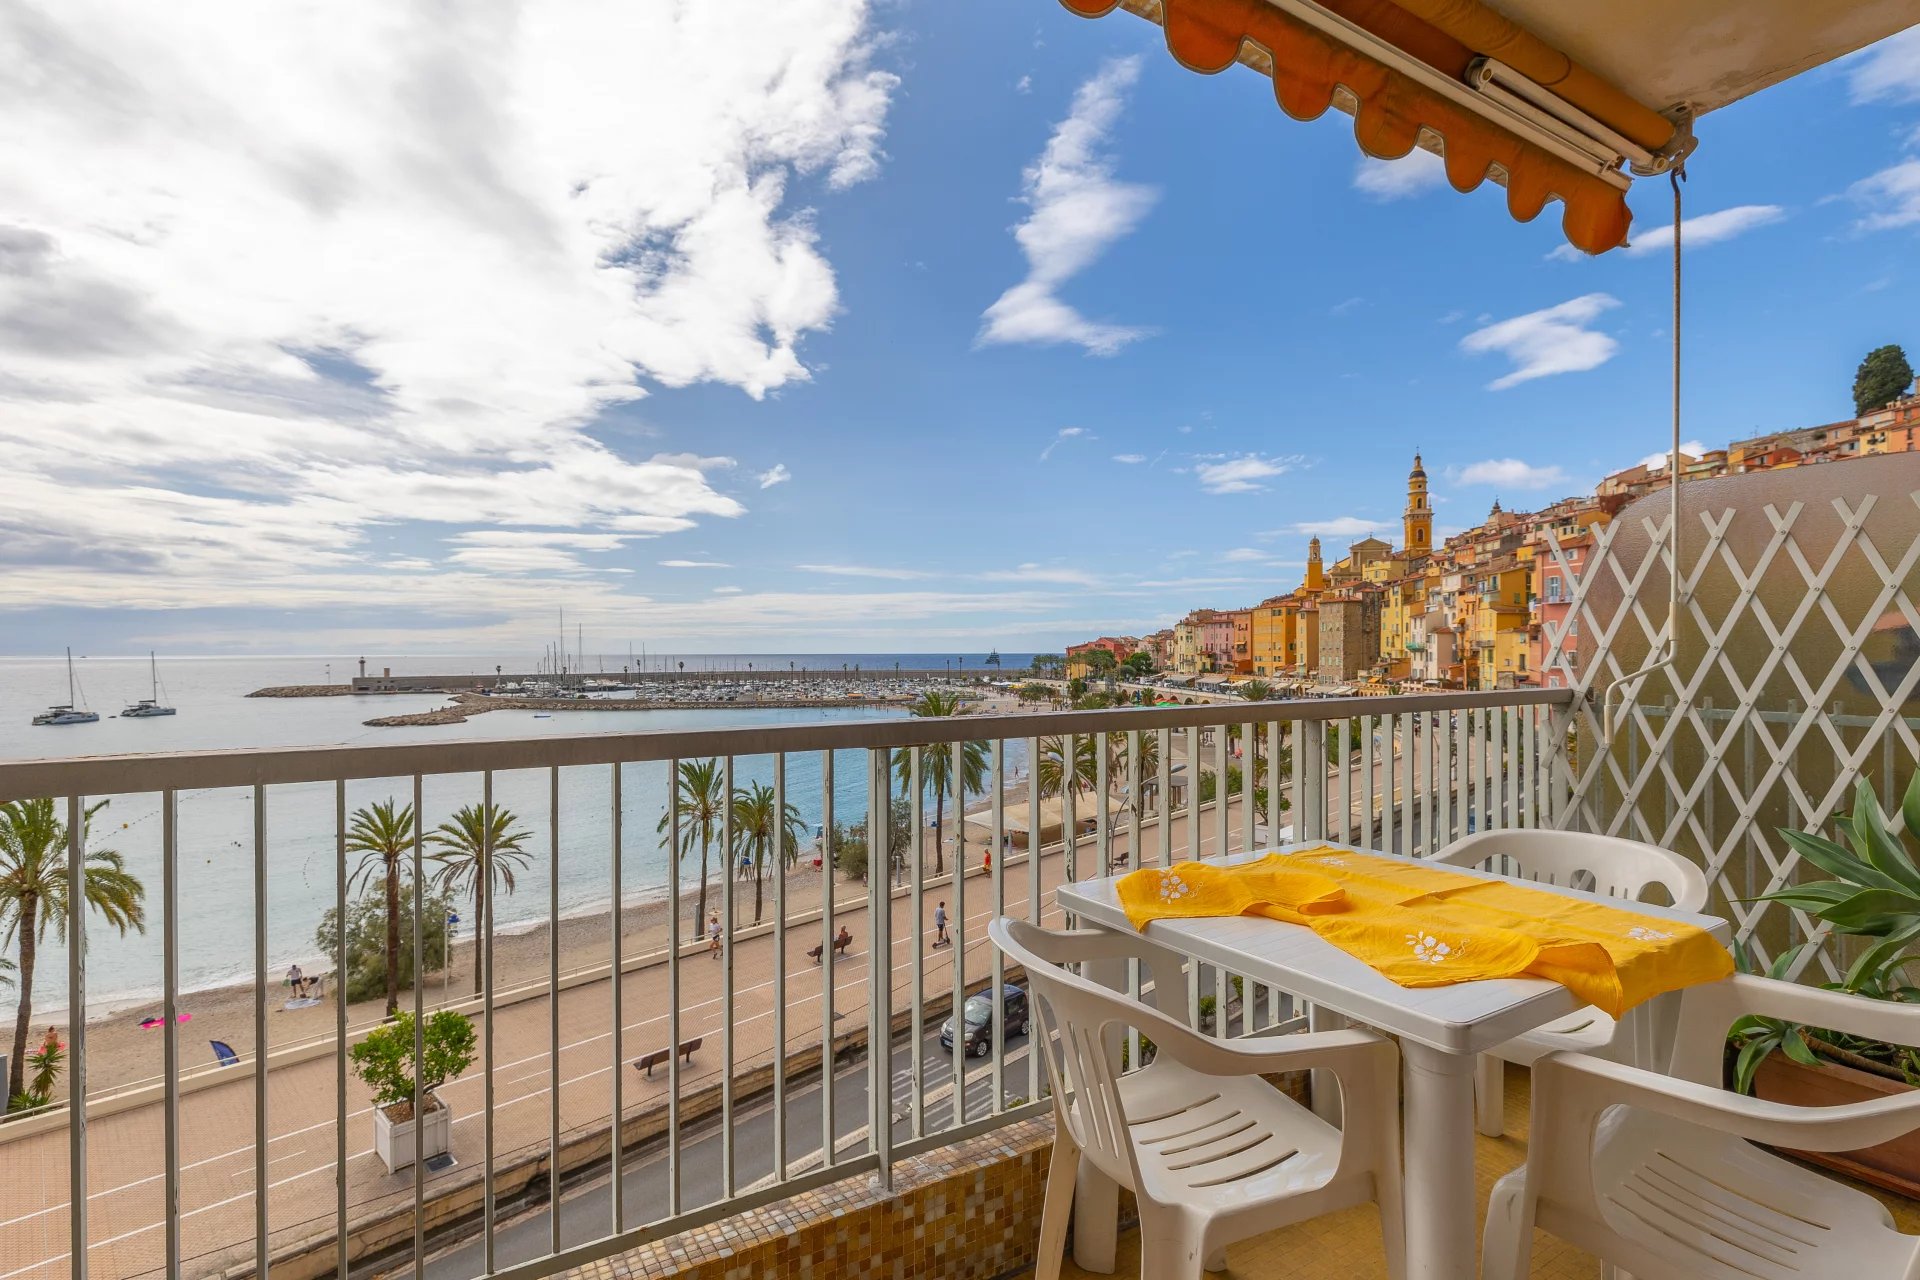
{"x":1441,"y":1031}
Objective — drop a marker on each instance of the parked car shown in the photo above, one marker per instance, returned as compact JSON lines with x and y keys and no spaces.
{"x":978,"y":1012}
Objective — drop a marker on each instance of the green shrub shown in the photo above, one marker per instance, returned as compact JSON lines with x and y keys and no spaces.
{"x":366,"y":976}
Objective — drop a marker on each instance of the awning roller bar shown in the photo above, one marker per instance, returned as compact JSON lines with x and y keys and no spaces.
{"x":1586,"y":155}
{"x":1502,"y":84}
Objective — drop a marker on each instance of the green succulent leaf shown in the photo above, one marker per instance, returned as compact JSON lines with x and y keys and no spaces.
{"x":1783,"y":963}
{"x":1751,"y":1056}
{"x":1796,"y":1048}
{"x":1878,"y":845}
{"x":1838,"y":861}
{"x":1814,"y":897}
{"x":1910,"y":807}
{"x":1872,"y":909}
{"x":1883,"y":959}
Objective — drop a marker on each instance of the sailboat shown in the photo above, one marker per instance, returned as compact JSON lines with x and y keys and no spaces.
{"x":66,"y":712}
{"x":148,"y":706}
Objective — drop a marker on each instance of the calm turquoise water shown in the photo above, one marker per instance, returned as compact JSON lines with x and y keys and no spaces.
{"x":215,"y":826}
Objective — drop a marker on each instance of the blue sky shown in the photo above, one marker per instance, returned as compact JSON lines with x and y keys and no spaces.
{"x":918,"y":326}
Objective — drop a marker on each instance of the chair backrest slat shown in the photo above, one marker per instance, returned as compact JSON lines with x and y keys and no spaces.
{"x":1581,"y":860}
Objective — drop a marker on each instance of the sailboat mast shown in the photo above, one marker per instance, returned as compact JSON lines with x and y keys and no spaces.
{"x":69,"y":675}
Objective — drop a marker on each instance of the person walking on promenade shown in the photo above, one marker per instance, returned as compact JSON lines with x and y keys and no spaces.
{"x":940,"y":938}
{"x":713,"y":934}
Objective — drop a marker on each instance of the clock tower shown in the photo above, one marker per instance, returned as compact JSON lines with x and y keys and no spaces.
{"x":1418,"y":521}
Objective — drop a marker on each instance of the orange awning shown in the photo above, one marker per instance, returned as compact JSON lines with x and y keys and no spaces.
{"x":1551,"y":100}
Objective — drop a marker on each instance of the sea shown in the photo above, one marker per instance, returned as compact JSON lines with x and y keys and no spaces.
{"x":215,"y":825}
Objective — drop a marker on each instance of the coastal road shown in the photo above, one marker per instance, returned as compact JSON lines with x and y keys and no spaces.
{"x":585,"y":1215}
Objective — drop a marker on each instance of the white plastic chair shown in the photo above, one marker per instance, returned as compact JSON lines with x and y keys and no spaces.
{"x":1656,"y":1175}
{"x":1212,"y":1153}
{"x":1597,"y":864}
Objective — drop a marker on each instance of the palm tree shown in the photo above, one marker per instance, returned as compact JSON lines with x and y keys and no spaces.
{"x":756,"y":830}
{"x":1056,"y":774}
{"x":1256,"y":691}
{"x":936,"y":764}
{"x":479,"y":851}
{"x":381,"y":836}
{"x":702,"y":803}
{"x":33,"y":891}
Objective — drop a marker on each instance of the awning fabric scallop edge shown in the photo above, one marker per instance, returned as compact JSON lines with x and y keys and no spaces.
{"x":1308,"y":66}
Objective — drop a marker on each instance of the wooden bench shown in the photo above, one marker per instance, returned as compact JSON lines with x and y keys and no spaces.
{"x":841,"y":945}
{"x":648,"y":1061}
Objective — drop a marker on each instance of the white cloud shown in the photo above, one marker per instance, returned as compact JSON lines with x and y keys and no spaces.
{"x":1510,"y":473}
{"x":1244,"y":555}
{"x":1241,"y":474}
{"x":1040,"y":573}
{"x":1064,"y":434}
{"x":1077,"y":210}
{"x":1338,"y":527}
{"x":777,"y":475}
{"x":1658,"y":461}
{"x":1023,"y":85}
{"x":726,"y":591}
{"x":271,"y":280}
{"x":1889,"y":70}
{"x":1891,"y":197}
{"x":1413,"y":174}
{"x":1566,"y":253}
{"x":1543,"y":343}
{"x":1131,"y":459}
{"x":1705,"y":229}
{"x":1342,"y":308}
{"x":861,"y":571}
{"x":694,"y":564}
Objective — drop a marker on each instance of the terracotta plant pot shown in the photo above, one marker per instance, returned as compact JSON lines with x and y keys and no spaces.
{"x":1894,"y":1165}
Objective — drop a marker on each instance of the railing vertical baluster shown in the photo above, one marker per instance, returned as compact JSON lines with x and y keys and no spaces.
{"x":1505,"y":788}
{"x":1389,"y":777}
{"x":916,"y":929}
{"x":420,"y":1037}
{"x":1102,"y":784}
{"x":1163,"y":796}
{"x":340,"y":1027}
{"x":553,"y":1004}
{"x":1273,"y":782}
{"x":880,"y":999}
{"x":1483,"y":765}
{"x":957,"y":941}
{"x":1310,"y":780}
{"x":1343,"y":747}
{"x":483,"y":960}
{"x":1069,"y":811}
{"x":1222,"y":797}
{"x":997,"y":848}
{"x":1193,"y":795}
{"x":1369,"y":764}
{"x":727,"y":1154}
{"x":674,"y":852}
{"x":616,"y":1173}
{"x":779,"y":855}
{"x":77,"y":1037}
{"x":169,"y":1011}
{"x":1249,"y":777}
{"x":1036,"y":885}
{"x":260,"y":1219}
{"x":1443,"y":774}
{"x":874,"y":854}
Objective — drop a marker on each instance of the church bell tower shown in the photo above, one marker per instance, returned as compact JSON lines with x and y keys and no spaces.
{"x":1418,"y":521}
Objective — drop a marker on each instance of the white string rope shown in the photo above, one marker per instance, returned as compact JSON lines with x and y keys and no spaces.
{"x":1670,"y":646}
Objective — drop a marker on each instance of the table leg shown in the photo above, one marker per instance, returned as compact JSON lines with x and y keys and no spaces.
{"x":1441,"y":1226}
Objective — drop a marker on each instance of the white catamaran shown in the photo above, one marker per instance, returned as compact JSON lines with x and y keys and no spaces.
{"x":146,"y":707}
{"x":67,"y":712}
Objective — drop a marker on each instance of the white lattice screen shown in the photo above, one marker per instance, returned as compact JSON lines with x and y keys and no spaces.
{"x":1799,"y":660}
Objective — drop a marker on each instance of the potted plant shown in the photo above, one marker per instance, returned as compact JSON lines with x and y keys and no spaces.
{"x":383,"y":1061}
{"x":1873,"y":894}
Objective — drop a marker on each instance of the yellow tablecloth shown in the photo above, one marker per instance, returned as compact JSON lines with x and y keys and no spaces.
{"x":1427,"y":926}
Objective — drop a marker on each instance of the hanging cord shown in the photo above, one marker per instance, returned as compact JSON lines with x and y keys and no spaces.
{"x":1670,"y":646}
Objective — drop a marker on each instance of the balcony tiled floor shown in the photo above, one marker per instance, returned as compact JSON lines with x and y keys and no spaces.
{"x":1346,"y":1245}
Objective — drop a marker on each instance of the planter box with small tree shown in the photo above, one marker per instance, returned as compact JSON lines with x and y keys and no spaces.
{"x":1873,"y":894}
{"x":384,"y":1060}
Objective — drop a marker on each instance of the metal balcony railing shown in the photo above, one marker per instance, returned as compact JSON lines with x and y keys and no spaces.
{"x":806,"y":1074}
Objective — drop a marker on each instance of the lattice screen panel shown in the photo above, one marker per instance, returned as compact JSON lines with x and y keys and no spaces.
{"x":1797,"y":673}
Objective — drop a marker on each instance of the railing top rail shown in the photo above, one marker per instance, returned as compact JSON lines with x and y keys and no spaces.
{"x":262,"y":766}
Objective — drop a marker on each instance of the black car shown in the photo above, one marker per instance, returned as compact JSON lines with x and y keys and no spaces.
{"x":978,"y":1011}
